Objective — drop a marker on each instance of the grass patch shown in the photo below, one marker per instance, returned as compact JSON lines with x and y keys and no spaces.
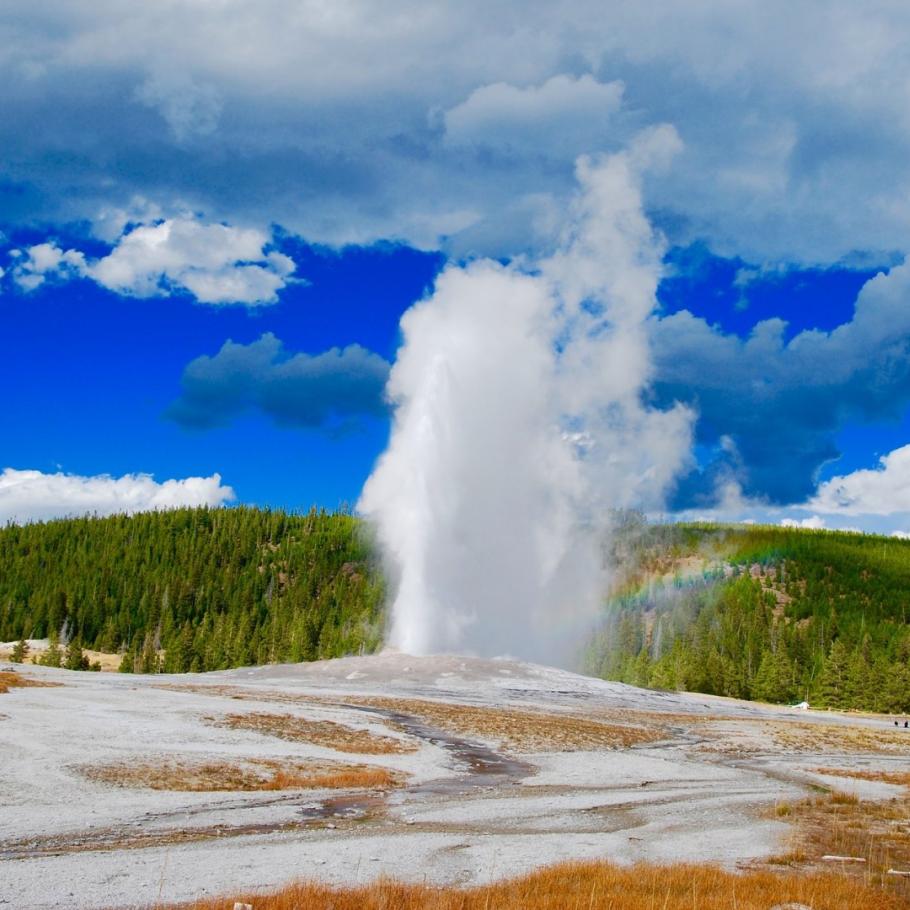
{"x":839,"y":824}
{"x":586,"y":886}
{"x":521,"y":730}
{"x":257,"y":774}
{"x":324,"y":733}
{"x":10,"y":679}
{"x":803,"y":737}
{"x":898,"y":778}
{"x":794,"y":857}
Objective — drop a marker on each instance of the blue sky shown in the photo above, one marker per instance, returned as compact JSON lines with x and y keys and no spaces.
{"x":97,"y":373}
{"x":213,"y":224}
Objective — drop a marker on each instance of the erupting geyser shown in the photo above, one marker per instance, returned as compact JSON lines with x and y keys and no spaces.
{"x":519,"y":424}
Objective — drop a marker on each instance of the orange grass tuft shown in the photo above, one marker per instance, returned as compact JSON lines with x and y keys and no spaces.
{"x":586,"y":886}
{"x":257,"y":774}
{"x":9,"y":679}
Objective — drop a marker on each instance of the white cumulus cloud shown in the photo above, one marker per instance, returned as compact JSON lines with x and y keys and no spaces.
{"x":43,"y":260}
{"x":36,"y":496}
{"x":216,"y":263}
{"x":871,"y":500}
{"x":813,"y":522}
{"x":883,"y":490}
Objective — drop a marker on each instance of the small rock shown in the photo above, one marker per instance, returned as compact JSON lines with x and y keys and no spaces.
{"x":791,"y":906}
{"x":239,"y":905}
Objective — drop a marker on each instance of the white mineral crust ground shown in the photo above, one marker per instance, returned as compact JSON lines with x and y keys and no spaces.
{"x":705,"y":792}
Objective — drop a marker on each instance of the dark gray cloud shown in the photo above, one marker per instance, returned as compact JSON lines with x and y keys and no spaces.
{"x":770,"y":410}
{"x":318,"y":391}
{"x":454,"y":124}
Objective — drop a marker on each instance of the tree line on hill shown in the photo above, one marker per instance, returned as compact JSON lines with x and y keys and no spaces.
{"x":193,"y":589}
{"x":775,"y":614}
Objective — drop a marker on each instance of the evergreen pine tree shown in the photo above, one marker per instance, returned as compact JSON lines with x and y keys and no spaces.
{"x":74,"y":659}
{"x":731,"y":681}
{"x":833,"y":683}
{"x":53,"y":656}
{"x":774,"y":680}
{"x":858,"y":686}
{"x":640,"y":669}
{"x":20,"y":651}
{"x":147,"y":660}
{"x":896,"y":688}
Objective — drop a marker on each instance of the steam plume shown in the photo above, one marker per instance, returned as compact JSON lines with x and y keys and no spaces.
{"x":519,"y":423}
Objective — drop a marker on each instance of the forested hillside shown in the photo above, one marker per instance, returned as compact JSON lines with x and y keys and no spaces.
{"x":195,"y":589}
{"x":765,"y":613}
{"x":761,"y":612}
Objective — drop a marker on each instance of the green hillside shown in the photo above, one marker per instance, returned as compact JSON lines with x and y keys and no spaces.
{"x":765,"y":613}
{"x":211,"y":588}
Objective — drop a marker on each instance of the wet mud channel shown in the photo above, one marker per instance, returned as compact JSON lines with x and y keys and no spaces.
{"x":478,"y":767}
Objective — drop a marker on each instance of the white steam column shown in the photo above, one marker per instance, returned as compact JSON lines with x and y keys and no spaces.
{"x":518,"y":424}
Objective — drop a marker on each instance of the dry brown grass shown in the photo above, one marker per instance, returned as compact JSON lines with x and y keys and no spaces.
{"x":748,"y":736}
{"x":839,"y":824}
{"x":587,"y":886}
{"x":110,"y":662}
{"x":324,"y":733}
{"x":9,"y":679}
{"x":239,"y":693}
{"x":521,"y":730}
{"x":516,"y":728}
{"x":649,"y":718}
{"x":257,"y":774}
{"x":803,"y":737}
{"x":898,"y":778}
